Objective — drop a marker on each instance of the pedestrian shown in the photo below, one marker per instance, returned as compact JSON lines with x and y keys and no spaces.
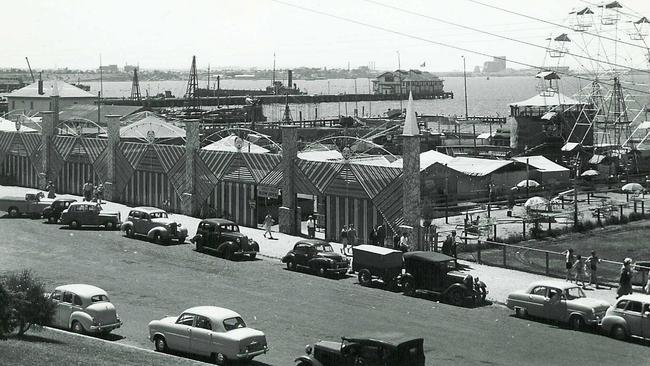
{"x":592,"y":263}
{"x":625,"y":280}
{"x":446,"y":246}
{"x":100,"y":193}
{"x":568,"y":263}
{"x":454,"y":245}
{"x":396,"y":237}
{"x":352,"y":235}
{"x":404,"y":243}
{"x":372,"y":237}
{"x":579,"y":270}
{"x":381,"y":235}
{"x":51,"y":190}
{"x":311,"y":227}
{"x":268,"y":223}
{"x":344,"y":238}
{"x":87,"y":191}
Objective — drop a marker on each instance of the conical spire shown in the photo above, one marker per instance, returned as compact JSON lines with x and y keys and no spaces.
{"x":411,"y":122}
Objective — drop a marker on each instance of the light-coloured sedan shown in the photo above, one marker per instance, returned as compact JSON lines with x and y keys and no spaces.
{"x":629,"y":317}
{"x":84,"y":309}
{"x":560,"y":301}
{"x":211,"y":331}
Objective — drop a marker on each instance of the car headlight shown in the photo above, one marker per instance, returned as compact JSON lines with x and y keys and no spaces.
{"x":308,"y":349}
{"x":238,"y":240}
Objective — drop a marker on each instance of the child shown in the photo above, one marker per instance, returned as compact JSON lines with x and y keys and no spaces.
{"x":579,"y":268}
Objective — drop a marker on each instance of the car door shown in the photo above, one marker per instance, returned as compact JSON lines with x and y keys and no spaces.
{"x":534,"y":301}
{"x":201,"y":337}
{"x":56,"y":298}
{"x":65,"y":309}
{"x":300,"y":254}
{"x":555,"y":307}
{"x":634,"y":318}
{"x":646,"y":321}
{"x":178,"y":334}
{"x":136,"y":219}
{"x":210,"y":231}
{"x":92,"y":215}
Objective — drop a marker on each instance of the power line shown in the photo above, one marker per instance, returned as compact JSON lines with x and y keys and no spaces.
{"x":553,"y":23}
{"x":316,"y":11}
{"x":501,"y":36}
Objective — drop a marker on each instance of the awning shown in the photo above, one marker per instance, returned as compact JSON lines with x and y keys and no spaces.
{"x":570,"y":146}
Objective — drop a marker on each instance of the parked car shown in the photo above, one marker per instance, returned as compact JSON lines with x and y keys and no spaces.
{"x":223,"y":237}
{"x":80,"y":214}
{"x":84,"y":309}
{"x":211,"y":331}
{"x":155,"y":224}
{"x":317,"y":256}
{"x":397,"y":350}
{"x":640,"y":273}
{"x":560,"y":301}
{"x":629,"y":317}
{"x":30,"y":205}
{"x":53,"y":212}
{"x":435,"y":273}
{"x":371,"y":261}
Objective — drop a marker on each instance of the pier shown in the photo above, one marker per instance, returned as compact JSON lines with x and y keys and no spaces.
{"x":270,"y":99}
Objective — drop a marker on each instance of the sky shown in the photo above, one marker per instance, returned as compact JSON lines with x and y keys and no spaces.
{"x":164,"y":34}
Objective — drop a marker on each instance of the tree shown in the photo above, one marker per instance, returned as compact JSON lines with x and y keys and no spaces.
{"x":28,"y":304}
{"x":4,"y":313}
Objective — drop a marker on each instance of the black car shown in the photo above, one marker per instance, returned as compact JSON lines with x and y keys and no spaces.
{"x":317,"y":256}
{"x":53,"y":212}
{"x":385,"y":350}
{"x":223,"y":237}
{"x":435,"y":273}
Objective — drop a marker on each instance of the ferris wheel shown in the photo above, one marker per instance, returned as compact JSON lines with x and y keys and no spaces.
{"x":604,"y":49}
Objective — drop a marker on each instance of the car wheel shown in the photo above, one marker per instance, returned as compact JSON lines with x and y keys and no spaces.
{"x":576,"y":322}
{"x":321,"y":271}
{"x":51,"y":219}
{"x":160,"y":344}
{"x":181,"y":240}
{"x":521,"y":313}
{"x":13,"y":212}
{"x":77,"y":327}
{"x":156,"y":238}
{"x":220,"y":359}
{"x":227,"y":254}
{"x":129,"y":232}
{"x":455,"y":297}
{"x":409,"y":287}
{"x":619,"y":333}
{"x":109,"y":225}
{"x":74,"y":224}
{"x":364,"y":277}
{"x":252,"y":255}
{"x":291,"y":265}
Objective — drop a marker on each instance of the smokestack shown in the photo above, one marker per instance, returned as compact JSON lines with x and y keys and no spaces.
{"x":40,"y":84}
{"x":290,"y":78}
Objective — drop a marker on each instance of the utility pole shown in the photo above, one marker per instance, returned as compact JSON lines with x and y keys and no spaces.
{"x":399,"y":72}
{"x":575,"y":198}
{"x":465,"y":82}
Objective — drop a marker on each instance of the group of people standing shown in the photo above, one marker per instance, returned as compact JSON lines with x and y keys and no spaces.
{"x":577,"y":267}
{"x":92,"y":192}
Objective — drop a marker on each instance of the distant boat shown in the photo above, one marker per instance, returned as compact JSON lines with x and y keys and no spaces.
{"x":487,"y":78}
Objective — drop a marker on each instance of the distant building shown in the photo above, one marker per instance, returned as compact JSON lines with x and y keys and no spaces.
{"x":35,"y":97}
{"x":109,"y":69}
{"x":129,"y":68}
{"x":418,"y":82}
{"x":496,"y":65}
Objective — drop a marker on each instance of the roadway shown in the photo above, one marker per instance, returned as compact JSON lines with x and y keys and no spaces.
{"x":147,"y":281}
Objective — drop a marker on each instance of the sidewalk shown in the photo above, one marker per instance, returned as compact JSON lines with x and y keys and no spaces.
{"x":500,"y":281}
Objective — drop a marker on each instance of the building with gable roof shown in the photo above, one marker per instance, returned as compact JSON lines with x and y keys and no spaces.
{"x":35,"y":97}
{"x":420,"y":83}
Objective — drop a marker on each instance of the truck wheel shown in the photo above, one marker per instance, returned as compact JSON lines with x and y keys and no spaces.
{"x":13,"y":212}
{"x":521,"y":313}
{"x":409,"y":287}
{"x":160,"y":343}
{"x":455,"y":297}
{"x":74,"y":224}
{"x":364,"y":277}
{"x":181,"y":240}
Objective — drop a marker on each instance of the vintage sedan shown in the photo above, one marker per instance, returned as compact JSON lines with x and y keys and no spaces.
{"x":211,"y":331}
{"x":317,"y":256}
{"x":223,"y":237}
{"x":155,"y":224}
{"x":52,"y":213}
{"x":560,"y":301}
{"x":629,"y":317}
{"x":84,"y":309}
{"x":80,"y":214}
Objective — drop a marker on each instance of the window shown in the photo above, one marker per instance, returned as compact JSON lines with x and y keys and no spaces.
{"x":31,"y":105}
{"x":67,"y":297}
{"x":158,"y":215}
{"x":99,"y":298}
{"x":77,"y":300}
{"x":621,"y":304}
{"x":185,"y":319}
{"x":233,"y":323}
{"x":56,"y":295}
{"x":134,"y":214}
{"x":203,"y":322}
{"x":539,"y":291}
{"x":634,"y":307}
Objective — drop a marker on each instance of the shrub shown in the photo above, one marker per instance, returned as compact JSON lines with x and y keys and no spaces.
{"x":636,"y":216}
{"x":4,"y":313}
{"x":27,"y":301}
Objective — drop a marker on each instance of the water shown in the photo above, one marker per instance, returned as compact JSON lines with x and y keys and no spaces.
{"x":486,"y":97}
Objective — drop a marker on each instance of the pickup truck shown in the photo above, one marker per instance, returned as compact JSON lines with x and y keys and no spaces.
{"x":30,"y":205}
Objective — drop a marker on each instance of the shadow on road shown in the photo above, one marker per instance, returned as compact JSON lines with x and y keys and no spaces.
{"x":330,"y":277}
{"x":36,"y":339}
{"x":208,"y":360}
{"x":235,"y":258}
{"x":110,"y":337}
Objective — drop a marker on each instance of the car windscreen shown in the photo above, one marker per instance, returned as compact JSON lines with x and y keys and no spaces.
{"x":158,"y":215}
{"x":574,"y":293}
{"x":99,"y":298}
{"x":233,"y":323}
{"x":324,"y":248}
{"x":229,"y":228}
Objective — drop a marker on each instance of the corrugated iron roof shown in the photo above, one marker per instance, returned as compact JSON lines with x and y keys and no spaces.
{"x":476,"y":166}
{"x":228,"y":144}
{"x":65,"y":90}
{"x":541,"y":163}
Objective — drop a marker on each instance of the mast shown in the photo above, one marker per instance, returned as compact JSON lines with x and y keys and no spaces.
{"x":208,"y":79}
{"x":465,"y":82}
{"x":275,"y":91}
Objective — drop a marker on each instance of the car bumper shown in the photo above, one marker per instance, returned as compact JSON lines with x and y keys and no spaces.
{"x":338,"y":270}
{"x":246,"y":252}
{"x":105,"y":327}
{"x":249,"y":355}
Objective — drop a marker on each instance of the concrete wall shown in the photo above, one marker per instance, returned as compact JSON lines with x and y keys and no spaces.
{"x":33,"y":105}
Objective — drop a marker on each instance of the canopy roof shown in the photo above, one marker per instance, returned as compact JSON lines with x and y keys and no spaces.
{"x":89,"y":112}
{"x":161,"y":129}
{"x":546,"y":100}
{"x":228,"y":144}
{"x":541,"y":163}
{"x":10,"y":126}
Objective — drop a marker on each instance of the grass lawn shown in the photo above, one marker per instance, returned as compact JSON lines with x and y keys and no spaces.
{"x":50,"y":347}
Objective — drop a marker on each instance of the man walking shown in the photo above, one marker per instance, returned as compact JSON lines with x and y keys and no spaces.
{"x":592,"y":263}
{"x":88,"y":191}
{"x":311,"y":227}
{"x":268,"y":223}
